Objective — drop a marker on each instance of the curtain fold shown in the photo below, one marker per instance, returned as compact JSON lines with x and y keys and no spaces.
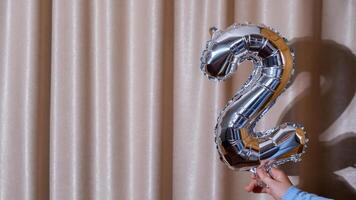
{"x":104,"y":99}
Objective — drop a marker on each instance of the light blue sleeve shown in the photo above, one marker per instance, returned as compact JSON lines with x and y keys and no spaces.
{"x":294,"y":193}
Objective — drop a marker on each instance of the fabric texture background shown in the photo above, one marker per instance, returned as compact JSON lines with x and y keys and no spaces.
{"x":104,"y":99}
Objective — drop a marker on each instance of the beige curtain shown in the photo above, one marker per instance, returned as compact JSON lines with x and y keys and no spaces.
{"x":104,"y":99}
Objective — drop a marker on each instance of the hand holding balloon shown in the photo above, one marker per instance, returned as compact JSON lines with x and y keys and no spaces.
{"x":239,"y":145}
{"x":276,"y":182}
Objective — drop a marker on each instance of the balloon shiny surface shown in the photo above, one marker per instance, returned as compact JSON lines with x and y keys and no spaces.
{"x":239,"y":145}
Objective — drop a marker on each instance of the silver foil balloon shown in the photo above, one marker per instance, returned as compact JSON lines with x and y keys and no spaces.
{"x":239,"y":145}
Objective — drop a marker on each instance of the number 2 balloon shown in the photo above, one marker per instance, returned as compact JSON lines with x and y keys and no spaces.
{"x":239,"y":145}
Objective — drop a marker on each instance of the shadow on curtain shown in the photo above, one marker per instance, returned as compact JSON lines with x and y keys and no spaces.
{"x":333,"y":85}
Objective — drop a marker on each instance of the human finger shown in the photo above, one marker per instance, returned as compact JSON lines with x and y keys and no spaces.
{"x":253,"y":176}
{"x":279,"y":175}
{"x":266,"y":190}
{"x":251,"y":186}
{"x":263,"y":163}
{"x":264,"y":176}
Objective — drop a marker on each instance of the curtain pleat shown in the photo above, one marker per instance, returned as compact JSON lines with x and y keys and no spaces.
{"x":24,"y":103}
{"x":104,"y":99}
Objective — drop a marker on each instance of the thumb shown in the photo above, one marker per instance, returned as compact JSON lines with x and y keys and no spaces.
{"x":264,"y":176}
{"x":279,"y":175}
